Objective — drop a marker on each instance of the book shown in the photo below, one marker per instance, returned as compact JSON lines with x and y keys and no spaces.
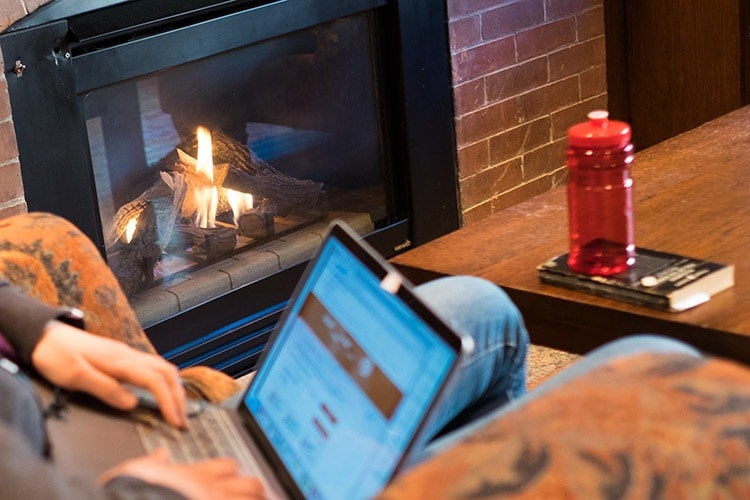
{"x":659,"y":280}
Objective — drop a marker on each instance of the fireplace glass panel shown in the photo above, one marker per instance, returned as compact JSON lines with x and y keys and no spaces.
{"x":296,"y":122}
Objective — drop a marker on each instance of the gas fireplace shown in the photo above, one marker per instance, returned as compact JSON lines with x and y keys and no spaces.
{"x":205,"y":145}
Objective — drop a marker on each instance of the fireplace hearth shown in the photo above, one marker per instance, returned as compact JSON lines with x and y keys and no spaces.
{"x":205,"y":145}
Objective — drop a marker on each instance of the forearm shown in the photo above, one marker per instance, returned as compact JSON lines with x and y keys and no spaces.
{"x":22,"y":319}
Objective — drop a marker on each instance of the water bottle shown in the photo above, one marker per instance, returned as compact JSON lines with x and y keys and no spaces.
{"x":600,"y":196}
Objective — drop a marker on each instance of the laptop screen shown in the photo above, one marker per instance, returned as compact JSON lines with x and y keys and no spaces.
{"x":348,"y":379}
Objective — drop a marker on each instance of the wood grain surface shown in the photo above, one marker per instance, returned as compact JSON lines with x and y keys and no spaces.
{"x":691,"y":196}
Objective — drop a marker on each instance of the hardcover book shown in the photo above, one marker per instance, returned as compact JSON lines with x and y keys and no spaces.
{"x":658,"y":280}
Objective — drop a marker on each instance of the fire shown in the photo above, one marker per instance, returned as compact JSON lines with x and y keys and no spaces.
{"x":130,"y":229}
{"x":240,"y":202}
{"x":206,"y":197}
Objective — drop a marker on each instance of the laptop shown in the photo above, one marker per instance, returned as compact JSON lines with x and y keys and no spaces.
{"x":354,"y":367}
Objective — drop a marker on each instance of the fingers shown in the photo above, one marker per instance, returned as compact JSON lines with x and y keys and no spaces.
{"x":214,"y":479}
{"x":153,"y":461}
{"x":104,"y":387}
{"x":243,"y":487}
{"x":224,"y":476}
{"x":77,"y":360}
{"x":158,"y":376}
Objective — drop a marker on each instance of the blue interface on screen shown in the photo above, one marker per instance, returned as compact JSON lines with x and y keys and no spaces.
{"x":354,"y":371}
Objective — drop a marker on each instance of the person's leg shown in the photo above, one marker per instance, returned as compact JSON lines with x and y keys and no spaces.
{"x":495,"y":372}
{"x":627,"y":346}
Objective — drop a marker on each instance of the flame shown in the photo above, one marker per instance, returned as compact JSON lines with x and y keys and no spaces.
{"x":130,"y":229}
{"x":239,"y":201}
{"x":207,"y":198}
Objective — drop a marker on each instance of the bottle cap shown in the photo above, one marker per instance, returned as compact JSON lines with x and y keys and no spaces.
{"x":599,"y":132}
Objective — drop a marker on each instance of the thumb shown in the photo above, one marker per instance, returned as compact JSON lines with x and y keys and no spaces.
{"x":139,"y":467}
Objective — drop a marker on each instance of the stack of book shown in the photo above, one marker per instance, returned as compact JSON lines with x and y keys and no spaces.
{"x":658,"y":280}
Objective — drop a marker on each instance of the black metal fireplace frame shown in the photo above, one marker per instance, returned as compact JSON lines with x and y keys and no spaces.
{"x":64,"y":49}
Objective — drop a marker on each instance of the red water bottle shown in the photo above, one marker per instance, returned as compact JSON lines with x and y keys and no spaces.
{"x":600,"y":200}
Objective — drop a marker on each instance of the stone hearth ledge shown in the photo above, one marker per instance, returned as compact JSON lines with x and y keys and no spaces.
{"x":181,"y":294}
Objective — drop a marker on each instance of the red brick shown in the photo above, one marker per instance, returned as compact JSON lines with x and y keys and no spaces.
{"x":479,"y":61}
{"x":522,"y":193}
{"x":473,"y":159}
{"x":562,"y":8}
{"x":32,"y":5}
{"x":464,"y":33}
{"x":518,"y":140}
{"x":517,"y":79}
{"x":546,"y":38}
{"x":559,"y":177}
{"x":547,"y":99}
{"x":577,"y":58}
{"x":11,"y":184}
{"x":469,"y":97}
{"x":8,"y":147}
{"x":486,"y":122}
{"x":544,"y":160}
{"x":483,"y":186}
{"x":10,"y":12}
{"x":593,"y":82}
{"x":590,"y":24}
{"x":563,"y":119}
{"x":18,"y":207}
{"x":476,"y":213}
{"x":511,"y":18}
{"x":457,"y":8}
{"x":4,"y":100}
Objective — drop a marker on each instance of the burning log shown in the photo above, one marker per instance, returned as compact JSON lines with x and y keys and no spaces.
{"x":135,"y":253}
{"x":185,"y":166}
{"x":165,"y":199}
{"x":248,"y":173}
{"x":209,"y":242}
{"x":257,"y":222}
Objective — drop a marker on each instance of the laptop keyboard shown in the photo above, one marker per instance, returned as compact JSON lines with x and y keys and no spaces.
{"x":210,"y":434}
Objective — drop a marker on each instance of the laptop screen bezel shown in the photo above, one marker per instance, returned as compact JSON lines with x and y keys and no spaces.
{"x":380,"y":268}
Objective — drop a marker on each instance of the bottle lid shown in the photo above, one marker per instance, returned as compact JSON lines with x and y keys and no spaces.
{"x":599,"y":132}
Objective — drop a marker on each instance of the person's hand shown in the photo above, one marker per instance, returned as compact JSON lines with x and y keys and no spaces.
{"x":77,"y":360}
{"x":214,"y":479}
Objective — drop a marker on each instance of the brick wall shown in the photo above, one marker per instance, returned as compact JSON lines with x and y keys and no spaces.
{"x":523,"y":70}
{"x":11,"y":186}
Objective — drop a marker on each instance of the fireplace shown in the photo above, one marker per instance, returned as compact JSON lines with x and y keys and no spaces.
{"x":204,"y":145}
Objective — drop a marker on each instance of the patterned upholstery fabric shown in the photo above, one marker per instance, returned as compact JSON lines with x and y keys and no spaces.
{"x":53,"y":261}
{"x":650,"y":426}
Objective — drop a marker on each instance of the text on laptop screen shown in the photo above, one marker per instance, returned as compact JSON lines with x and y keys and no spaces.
{"x":347,"y":381}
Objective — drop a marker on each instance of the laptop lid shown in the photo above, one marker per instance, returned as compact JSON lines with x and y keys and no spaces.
{"x":351,"y":373}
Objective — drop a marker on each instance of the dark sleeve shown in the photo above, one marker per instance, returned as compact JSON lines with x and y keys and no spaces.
{"x":23,"y":474}
{"x":22,"y":319}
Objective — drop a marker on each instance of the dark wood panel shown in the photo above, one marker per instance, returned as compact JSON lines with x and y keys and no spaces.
{"x":675,"y":64}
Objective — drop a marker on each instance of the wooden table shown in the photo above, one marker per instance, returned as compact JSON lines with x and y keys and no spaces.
{"x":692,"y":197}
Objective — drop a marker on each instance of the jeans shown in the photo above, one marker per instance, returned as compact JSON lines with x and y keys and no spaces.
{"x":495,"y":372}
{"x":627,"y":346}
